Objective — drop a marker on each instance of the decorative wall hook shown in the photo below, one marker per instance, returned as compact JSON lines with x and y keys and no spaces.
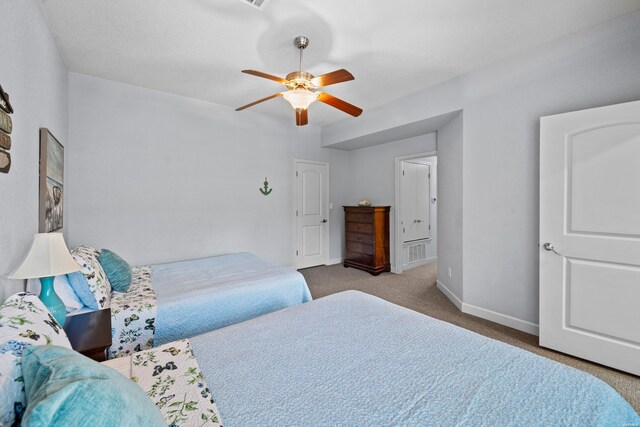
{"x":266,"y":190}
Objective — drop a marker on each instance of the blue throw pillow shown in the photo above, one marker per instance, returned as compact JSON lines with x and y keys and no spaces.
{"x":81,"y":287}
{"x":118,"y":271}
{"x":65,"y":388}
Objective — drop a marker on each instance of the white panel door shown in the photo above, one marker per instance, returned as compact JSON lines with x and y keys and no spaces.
{"x":414,"y":197}
{"x":311,"y":214}
{"x":590,"y":234}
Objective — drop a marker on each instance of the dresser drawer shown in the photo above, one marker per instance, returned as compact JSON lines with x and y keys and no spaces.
{"x":359,"y":248}
{"x":360,"y":259}
{"x":360,"y":238}
{"x":358,"y":217}
{"x":358,"y":227}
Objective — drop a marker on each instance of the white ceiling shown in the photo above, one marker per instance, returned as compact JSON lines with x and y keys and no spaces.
{"x":197,"y":48}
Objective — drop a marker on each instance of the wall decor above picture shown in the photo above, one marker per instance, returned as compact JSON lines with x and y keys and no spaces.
{"x":5,"y":161}
{"x":5,"y":105}
{"x":6,"y":127}
{"x":51,"y":182}
{"x":5,"y":141}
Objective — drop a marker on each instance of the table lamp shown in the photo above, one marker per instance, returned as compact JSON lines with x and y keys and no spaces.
{"x":47,"y":258}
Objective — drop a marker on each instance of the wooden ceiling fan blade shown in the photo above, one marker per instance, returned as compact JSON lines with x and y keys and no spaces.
{"x":266,"y":76}
{"x":332,"y":78}
{"x":302,"y":116}
{"x":259,"y":101}
{"x":339,"y":104}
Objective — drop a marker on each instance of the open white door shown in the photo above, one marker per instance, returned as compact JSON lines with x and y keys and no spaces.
{"x":312,"y":213}
{"x":415,"y":195}
{"x":590,"y":234}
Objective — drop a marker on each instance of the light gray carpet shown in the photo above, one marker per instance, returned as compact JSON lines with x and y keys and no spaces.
{"x":416,"y":289}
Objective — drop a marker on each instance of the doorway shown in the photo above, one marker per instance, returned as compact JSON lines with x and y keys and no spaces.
{"x":312,"y":213}
{"x":416,"y":211}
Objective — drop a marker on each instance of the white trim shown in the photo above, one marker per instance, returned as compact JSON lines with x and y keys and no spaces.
{"x":327,"y":235}
{"x":397,"y":267}
{"x":334,"y":261}
{"x":503,"y":319}
{"x":483,"y":313}
{"x":447,"y":293}
{"x":420,"y":263}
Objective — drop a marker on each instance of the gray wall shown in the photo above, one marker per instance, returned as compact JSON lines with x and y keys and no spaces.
{"x":502,"y":105}
{"x":34,"y":75}
{"x":158,"y":177}
{"x":450,"y":138}
{"x":372,"y":169}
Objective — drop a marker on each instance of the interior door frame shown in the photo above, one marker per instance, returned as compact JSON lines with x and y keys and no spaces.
{"x":326,"y":209}
{"x":397,"y":214}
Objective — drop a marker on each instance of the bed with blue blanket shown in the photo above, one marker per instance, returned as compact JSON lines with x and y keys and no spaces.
{"x":177,"y":300}
{"x":354,"y":359}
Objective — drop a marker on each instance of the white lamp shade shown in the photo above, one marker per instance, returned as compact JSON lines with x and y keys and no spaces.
{"x":300,"y":98}
{"x":47,"y":257}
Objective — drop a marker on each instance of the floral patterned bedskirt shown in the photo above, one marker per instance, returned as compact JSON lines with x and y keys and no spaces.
{"x":171,"y":377}
{"x":133,"y":315}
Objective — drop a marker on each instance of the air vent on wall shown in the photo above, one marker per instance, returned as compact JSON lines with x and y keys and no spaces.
{"x":416,"y":252}
{"x":258,"y":4}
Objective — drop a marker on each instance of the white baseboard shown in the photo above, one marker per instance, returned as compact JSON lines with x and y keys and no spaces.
{"x":426,"y":261}
{"x":334,"y":261}
{"x":503,"y":319}
{"x":454,"y":299}
{"x":483,"y":313}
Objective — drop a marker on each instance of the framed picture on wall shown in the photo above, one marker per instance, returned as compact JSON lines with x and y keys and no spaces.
{"x":51,"y":182}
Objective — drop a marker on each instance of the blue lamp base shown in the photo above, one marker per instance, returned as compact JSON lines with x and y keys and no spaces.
{"x":51,"y":300}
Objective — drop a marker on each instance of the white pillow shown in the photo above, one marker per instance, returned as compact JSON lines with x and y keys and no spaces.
{"x":62,"y":288}
{"x":92,"y":271}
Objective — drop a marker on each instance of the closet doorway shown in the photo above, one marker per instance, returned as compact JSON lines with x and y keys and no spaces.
{"x":416,"y":213}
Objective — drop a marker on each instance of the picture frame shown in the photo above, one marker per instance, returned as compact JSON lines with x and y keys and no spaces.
{"x":51,"y":208}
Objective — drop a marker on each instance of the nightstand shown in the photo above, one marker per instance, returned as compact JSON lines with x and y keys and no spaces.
{"x":90,"y":333}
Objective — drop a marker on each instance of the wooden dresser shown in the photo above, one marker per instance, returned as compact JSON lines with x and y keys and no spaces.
{"x":367,"y":235}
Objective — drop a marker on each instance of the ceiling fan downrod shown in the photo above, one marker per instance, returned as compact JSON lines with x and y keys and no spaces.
{"x":301,"y":42}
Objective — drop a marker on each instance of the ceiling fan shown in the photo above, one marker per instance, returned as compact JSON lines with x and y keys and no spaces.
{"x":303,"y":88}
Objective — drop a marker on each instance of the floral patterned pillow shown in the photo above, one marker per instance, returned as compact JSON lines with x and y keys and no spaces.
{"x":87,"y":257}
{"x":24,"y":321}
{"x":170,"y":376}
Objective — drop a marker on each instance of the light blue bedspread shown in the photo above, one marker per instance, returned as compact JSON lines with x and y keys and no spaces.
{"x":201,"y":295}
{"x":353,"y":359}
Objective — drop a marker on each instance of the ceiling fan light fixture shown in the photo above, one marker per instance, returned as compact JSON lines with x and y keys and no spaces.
{"x":300,"y":98}
{"x":303,"y":88}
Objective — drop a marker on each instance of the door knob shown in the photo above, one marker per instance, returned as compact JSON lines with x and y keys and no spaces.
{"x":549,"y":247}
{"x":323,"y":221}
{"x":417,"y":221}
